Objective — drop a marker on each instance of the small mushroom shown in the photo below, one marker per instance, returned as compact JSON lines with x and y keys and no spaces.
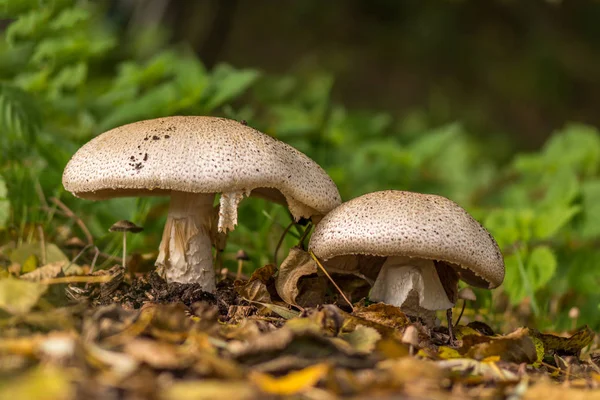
{"x":411,"y":338}
{"x":125,"y":226}
{"x":417,"y":246}
{"x":241,"y":256}
{"x":191,"y":159}
{"x":464,"y":294}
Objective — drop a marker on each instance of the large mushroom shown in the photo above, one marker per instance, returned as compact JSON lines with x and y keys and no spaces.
{"x":191,"y":159}
{"x":417,"y":246}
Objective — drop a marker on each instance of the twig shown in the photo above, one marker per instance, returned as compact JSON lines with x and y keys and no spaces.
{"x":304,"y":235}
{"x":40,"y":193}
{"x":462,"y":310}
{"x":330,"y":278}
{"x":77,"y":279}
{"x":285,"y":231}
{"x":72,"y":215}
{"x":95,"y":259}
{"x":42,"y":244}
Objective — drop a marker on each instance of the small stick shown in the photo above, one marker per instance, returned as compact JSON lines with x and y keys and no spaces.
{"x":304,"y":235}
{"x":285,"y":231}
{"x":42,"y":244}
{"x":97,"y":250}
{"x":331,"y":279}
{"x":78,"y":221}
{"x":462,"y":310}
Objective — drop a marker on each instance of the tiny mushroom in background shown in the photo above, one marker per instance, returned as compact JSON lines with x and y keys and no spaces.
{"x":125,"y":226}
{"x":191,"y":159}
{"x":465,"y":294}
{"x":422,"y":244}
{"x":240,"y":256}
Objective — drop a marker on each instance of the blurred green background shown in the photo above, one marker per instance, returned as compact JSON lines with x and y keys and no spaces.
{"x":492,"y":104}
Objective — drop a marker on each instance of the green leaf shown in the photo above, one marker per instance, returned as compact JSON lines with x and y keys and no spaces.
{"x":514,"y":284}
{"x":19,"y":296}
{"x":591,"y":209}
{"x":541,"y":266}
{"x":548,"y":222}
{"x":226,"y":83}
{"x":70,"y":18}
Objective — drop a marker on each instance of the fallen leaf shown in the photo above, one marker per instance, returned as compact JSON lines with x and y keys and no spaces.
{"x":392,"y":348}
{"x":23,"y":252}
{"x":363,"y":339}
{"x":209,"y":390}
{"x":563,"y":346}
{"x":297,"y":264}
{"x":461,"y":331}
{"x":282,"y":311}
{"x":18,"y":296}
{"x":255,"y":290}
{"x":40,"y":383}
{"x":159,"y":355}
{"x":385,"y":318}
{"x":486,"y":369}
{"x":515,"y":347}
{"x":292,"y":383}
{"x":51,"y":270}
{"x":551,"y":391}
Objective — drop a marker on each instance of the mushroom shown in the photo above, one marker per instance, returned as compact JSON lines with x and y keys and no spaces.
{"x":125,"y":226}
{"x":416,"y":245}
{"x":240,"y":256}
{"x":191,"y":159}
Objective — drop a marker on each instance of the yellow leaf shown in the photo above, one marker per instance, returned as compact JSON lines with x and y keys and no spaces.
{"x":18,"y":296}
{"x":42,"y":382}
{"x":292,"y":383}
{"x":491,"y":359}
{"x":208,"y":390}
{"x":462,"y":330}
{"x":445,"y":353}
{"x":30,"y":264}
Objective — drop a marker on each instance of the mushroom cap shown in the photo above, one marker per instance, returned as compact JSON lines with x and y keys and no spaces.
{"x":198,"y":155}
{"x":398,"y":223}
{"x":125,"y":226}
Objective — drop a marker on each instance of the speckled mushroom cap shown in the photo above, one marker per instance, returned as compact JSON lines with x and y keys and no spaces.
{"x":198,"y":155}
{"x":397,"y":223}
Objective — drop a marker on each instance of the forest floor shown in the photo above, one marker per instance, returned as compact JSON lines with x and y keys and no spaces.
{"x":106,"y":335}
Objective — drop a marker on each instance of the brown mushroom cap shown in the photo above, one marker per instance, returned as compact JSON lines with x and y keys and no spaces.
{"x":198,"y":155}
{"x":398,"y":223}
{"x":125,"y":226}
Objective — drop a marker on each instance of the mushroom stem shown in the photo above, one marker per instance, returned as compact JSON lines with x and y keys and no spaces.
{"x":399,"y":276}
{"x":124,"y":250}
{"x":185,"y":249}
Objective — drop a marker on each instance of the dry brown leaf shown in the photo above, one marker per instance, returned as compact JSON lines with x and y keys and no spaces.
{"x":209,"y":390}
{"x":158,"y":355}
{"x":51,"y":270}
{"x":515,"y":347}
{"x":297,"y":264}
{"x":566,"y":346}
{"x":255,"y":290}
{"x":388,"y":320}
{"x":552,"y":391}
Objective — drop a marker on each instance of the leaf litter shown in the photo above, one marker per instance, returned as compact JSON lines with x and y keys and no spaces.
{"x":66,"y":333}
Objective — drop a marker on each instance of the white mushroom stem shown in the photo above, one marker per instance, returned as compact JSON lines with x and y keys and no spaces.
{"x":185,"y":249}
{"x":228,"y":210}
{"x":401,"y":276}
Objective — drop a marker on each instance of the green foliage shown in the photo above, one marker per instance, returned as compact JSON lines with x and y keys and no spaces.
{"x":64,"y":79}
